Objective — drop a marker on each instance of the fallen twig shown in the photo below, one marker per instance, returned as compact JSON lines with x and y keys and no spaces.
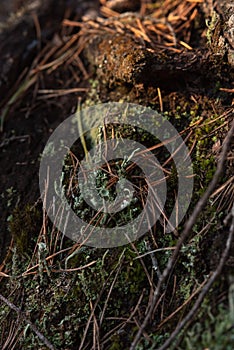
{"x":188,"y":226}
{"x":187,"y":319}
{"x":34,"y":328}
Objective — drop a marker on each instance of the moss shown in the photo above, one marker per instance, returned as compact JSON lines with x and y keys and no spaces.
{"x":61,"y":309}
{"x":23,"y":227}
{"x":204,"y":159}
{"x":213,"y":330}
{"x":113,"y":285}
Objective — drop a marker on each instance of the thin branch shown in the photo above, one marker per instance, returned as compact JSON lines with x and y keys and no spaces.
{"x":204,"y":291}
{"x":34,"y":328}
{"x":188,"y":226}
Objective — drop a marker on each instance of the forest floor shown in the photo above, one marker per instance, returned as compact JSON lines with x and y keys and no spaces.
{"x":171,"y":56}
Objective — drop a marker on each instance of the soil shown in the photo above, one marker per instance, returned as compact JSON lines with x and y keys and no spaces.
{"x":123,"y":66}
{"x":24,"y":134}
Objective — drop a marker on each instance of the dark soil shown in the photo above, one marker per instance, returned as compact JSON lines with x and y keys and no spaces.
{"x":28,"y":125}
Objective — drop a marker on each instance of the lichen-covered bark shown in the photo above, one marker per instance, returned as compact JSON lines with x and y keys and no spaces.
{"x":226,"y":10}
{"x":220,"y":22}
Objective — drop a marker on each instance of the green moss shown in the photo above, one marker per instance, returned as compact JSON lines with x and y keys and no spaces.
{"x":23,"y":227}
{"x":213,"y":330}
{"x":61,"y":309}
